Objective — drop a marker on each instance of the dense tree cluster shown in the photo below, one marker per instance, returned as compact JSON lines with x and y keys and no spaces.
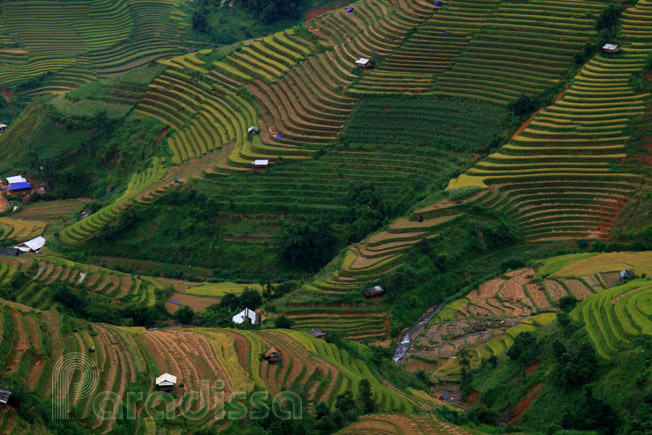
{"x":271,"y":11}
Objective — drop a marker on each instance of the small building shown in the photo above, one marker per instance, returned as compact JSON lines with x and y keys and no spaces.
{"x":166,"y":380}
{"x":3,"y":127}
{"x":260,"y":164}
{"x":363,"y":62}
{"x":253,"y":130}
{"x":349,"y":10}
{"x":272,"y":355}
{"x":4,"y":396}
{"x":625,"y":275}
{"x":91,"y":349}
{"x":10,"y":252}
{"x":373,"y":292}
{"x":317,"y":333}
{"x":610,"y":48}
{"x":33,"y":245}
{"x":18,"y":182}
{"x":245,"y":314}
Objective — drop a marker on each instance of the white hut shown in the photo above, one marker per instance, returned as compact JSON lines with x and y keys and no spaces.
{"x":33,"y":245}
{"x":610,"y":48}
{"x":260,"y":164}
{"x":364,"y":62}
{"x":166,"y":380}
{"x":245,"y":314}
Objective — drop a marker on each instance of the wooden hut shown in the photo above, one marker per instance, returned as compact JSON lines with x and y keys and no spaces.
{"x":272,"y":355}
{"x":317,"y":333}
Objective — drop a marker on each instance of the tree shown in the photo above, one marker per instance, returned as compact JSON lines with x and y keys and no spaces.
{"x":609,"y":17}
{"x":525,"y":348}
{"x":308,"y":245}
{"x":230,"y":302}
{"x":523,"y":105}
{"x":347,"y":406}
{"x":185,"y":315}
{"x":367,"y":398}
{"x":250,"y":298}
{"x":567,"y":303}
{"x":283,"y":322}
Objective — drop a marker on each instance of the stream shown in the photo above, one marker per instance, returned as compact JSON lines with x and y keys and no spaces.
{"x":404,"y":345}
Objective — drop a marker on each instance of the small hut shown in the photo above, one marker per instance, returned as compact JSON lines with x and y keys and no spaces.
{"x":4,"y":396}
{"x":33,"y":245}
{"x":272,"y":355}
{"x":166,"y":382}
{"x":18,"y":182}
{"x":625,"y":275}
{"x":3,"y":127}
{"x":10,"y":252}
{"x":373,"y":292}
{"x":363,"y":62}
{"x":253,"y":130}
{"x":317,"y":333}
{"x":611,"y":48}
{"x":260,"y":164}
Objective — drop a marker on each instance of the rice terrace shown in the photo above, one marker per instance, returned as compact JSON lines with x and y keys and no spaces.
{"x":326,"y":217}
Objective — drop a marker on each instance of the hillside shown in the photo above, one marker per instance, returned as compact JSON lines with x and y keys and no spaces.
{"x":193,"y":161}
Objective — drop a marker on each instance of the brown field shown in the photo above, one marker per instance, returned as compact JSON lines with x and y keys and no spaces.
{"x":197,"y":303}
{"x":555,"y":290}
{"x":577,"y":288}
{"x":537,"y":295}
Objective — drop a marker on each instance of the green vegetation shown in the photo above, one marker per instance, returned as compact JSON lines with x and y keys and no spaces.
{"x":445,"y":123}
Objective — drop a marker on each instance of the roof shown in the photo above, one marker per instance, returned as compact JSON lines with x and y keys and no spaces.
{"x":252,"y":128}
{"x":3,"y":125}
{"x":362,"y":61}
{"x":32,"y":245}
{"x":4,"y":396}
{"x":610,"y":47}
{"x":270,"y":352}
{"x":350,"y":9}
{"x":262,"y":162}
{"x":9,"y":251}
{"x":316,"y":332}
{"x":375,"y":290}
{"x":19,"y":186}
{"x":625,"y":273}
{"x":166,"y":380}
{"x":242,"y":315}
{"x":16,"y":178}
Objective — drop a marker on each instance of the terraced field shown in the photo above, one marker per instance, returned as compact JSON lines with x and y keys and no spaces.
{"x":397,"y":424}
{"x":616,"y":316}
{"x":522,"y":48}
{"x":45,"y":270}
{"x":430,"y":50}
{"x":139,"y":183}
{"x":554,"y":178}
{"x":228,"y":360}
{"x":67,"y":44}
{"x":363,"y":264}
{"x":19,"y":229}
{"x":487,"y":319}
